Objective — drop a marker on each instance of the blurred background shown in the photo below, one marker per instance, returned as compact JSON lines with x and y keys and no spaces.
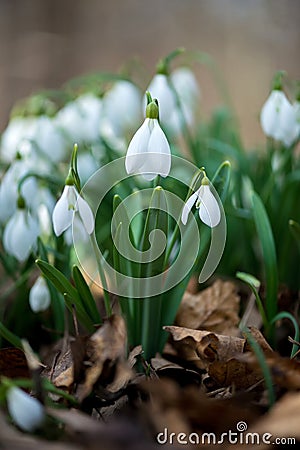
{"x":43,"y":43}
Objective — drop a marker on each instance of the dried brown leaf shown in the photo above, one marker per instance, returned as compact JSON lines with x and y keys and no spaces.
{"x":214,"y":309}
{"x":203,"y":347}
{"x":106,"y":345}
{"x":282,"y":421}
{"x":285,"y":372}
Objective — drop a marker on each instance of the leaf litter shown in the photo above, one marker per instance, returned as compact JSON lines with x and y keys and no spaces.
{"x":207,"y":380}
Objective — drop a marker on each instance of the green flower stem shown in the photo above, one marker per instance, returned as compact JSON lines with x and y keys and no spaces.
{"x":98,"y":257}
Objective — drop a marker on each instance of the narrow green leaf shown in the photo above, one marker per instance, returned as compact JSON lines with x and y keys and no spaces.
{"x":221,"y":179}
{"x":287,"y":315}
{"x":263,"y":365}
{"x":86,"y":296}
{"x":65,"y":287}
{"x":266,"y":239}
{"x":10,"y":337}
{"x":295,"y":230}
{"x":254,"y":285}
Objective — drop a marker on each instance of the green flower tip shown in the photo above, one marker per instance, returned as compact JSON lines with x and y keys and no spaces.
{"x":21,"y":202}
{"x":152,"y":110}
{"x":205,"y":181}
{"x":70,"y":178}
{"x":277,"y":83}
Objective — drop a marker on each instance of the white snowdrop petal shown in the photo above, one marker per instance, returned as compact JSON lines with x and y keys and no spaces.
{"x":159,"y":88}
{"x":39,"y":295}
{"x":188,"y":206}
{"x":20,"y":234}
{"x":157,"y":160}
{"x":209,"y":211}
{"x":27,"y":412}
{"x":62,"y":216}
{"x":270,"y":113}
{"x":86,"y":214}
{"x":137,"y":147}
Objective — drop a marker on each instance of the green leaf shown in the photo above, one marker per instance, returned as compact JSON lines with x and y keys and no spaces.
{"x":254,"y":285}
{"x":221,"y":179}
{"x":295,"y":230}
{"x":57,"y":301}
{"x":10,"y":337}
{"x":65,"y":287}
{"x":266,"y":239}
{"x":86,"y":296}
{"x":287,"y":315}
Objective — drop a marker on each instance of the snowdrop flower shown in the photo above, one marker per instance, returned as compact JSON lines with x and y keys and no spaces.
{"x":161,"y":90}
{"x":65,"y":208}
{"x":18,"y":131}
{"x":209,"y":210}
{"x":279,"y":119}
{"x":80,"y":119}
{"x":149,"y":152}
{"x":39,"y":295}
{"x":48,"y":139}
{"x":186,"y":87}
{"x":122,"y":106}
{"x":27,"y":412}
{"x":20,"y":233}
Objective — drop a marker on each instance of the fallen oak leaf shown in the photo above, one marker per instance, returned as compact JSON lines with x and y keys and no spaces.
{"x":285,"y":372}
{"x":214,"y":309}
{"x":105,"y":348}
{"x":203,"y":347}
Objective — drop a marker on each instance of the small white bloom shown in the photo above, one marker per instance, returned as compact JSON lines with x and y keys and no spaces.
{"x":209,"y":210}
{"x":122,"y":106}
{"x":80,"y":119}
{"x":9,"y":185}
{"x":149,"y":152}
{"x":49,"y":139}
{"x":39,"y":295}
{"x":18,"y":131}
{"x":27,"y":412}
{"x":161,"y":90}
{"x":65,"y":208}
{"x":279,"y":118}
{"x":20,"y":234}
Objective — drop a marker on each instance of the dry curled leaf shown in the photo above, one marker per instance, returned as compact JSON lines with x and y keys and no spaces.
{"x":214,"y":309}
{"x":203,"y":347}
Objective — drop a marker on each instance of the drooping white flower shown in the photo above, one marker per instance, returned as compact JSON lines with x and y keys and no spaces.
{"x":122,"y":107}
{"x":149,"y":152}
{"x":209,"y":210}
{"x":68,"y":204}
{"x":20,"y":234}
{"x":161,"y":90}
{"x":48,"y":139}
{"x":39,"y":295}
{"x":18,"y":131}
{"x":187,"y":93}
{"x":27,"y":412}
{"x":80,"y":119}
{"x":278,"y":118}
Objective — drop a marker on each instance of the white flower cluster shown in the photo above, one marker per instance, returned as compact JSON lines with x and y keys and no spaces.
{"x":280,"y":119}
{"x":39,"y":145}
